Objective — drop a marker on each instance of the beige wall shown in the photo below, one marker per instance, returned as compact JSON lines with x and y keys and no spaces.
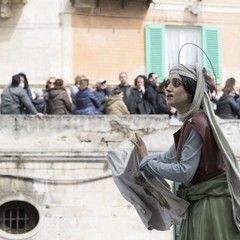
{"x":111,"y":39}
{"x":106,"y":46}
{"x":45,"y":38}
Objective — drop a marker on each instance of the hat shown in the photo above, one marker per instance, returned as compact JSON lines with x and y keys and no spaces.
{"x":16,"y":80}
{"x":38,"y":92}
{"x":117,"y":91}
{"x":101,"y":81}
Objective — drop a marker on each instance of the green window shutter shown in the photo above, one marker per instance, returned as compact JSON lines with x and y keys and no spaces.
{"x":211,"y":46}
{"x":155,"y":56}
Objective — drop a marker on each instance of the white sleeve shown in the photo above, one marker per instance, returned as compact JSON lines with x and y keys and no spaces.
{"x":165,"y":165}
{"x":169,"y":156}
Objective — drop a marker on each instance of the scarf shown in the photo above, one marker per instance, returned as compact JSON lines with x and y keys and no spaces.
{"x":201,"y":99}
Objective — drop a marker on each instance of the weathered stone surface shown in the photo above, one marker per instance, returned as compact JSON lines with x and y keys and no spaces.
{"x":94,"y":133}
{"x":59,"y":166}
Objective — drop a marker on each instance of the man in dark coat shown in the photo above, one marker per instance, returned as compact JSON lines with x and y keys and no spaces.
{"x":151,"y":91}
{"x":125,"y":87}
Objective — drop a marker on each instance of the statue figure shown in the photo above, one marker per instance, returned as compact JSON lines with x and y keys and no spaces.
{"x":5,"y":7}
{"x":5,"y":11}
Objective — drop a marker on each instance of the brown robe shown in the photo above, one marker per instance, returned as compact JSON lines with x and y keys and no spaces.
{"x":211,"y":163}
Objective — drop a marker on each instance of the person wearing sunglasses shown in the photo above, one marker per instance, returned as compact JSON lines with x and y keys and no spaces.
{"x":49,"y":84}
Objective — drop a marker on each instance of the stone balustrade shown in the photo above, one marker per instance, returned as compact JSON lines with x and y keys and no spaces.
{"x":71,"y":133}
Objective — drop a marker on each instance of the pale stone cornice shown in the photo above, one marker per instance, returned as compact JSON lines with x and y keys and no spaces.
{"x":207,"y":8}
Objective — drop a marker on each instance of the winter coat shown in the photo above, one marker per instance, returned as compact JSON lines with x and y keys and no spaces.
{"x":74,"y":90}
{"x":102,"y":94}
{"x":40,"y":105}
{"x":87,"y":103}
{"x":115,"y":105}
{"x":14,"y":100}
{"x":227,"y":108}
{"x":137,"y":103}
{"x":127,"y":92}
{"x":151,"y":96}
{"x":163,"y":108}
{"x":58,"y":101}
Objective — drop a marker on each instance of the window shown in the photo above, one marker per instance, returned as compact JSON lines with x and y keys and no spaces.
{"x":17,"y":217}
{"x":176,"y":37}
{"x":164,"y":42}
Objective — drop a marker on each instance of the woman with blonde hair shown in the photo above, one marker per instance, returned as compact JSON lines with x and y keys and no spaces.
{"x":74,"y":90}
{"x":49,"y":84}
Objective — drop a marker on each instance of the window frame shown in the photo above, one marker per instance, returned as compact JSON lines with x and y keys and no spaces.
{"x":156,"y":53}
{"x":29,"y":200}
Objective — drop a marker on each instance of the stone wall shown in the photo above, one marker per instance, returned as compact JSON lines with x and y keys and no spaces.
{"x":95,"y":133}
{"x":59,"y":165}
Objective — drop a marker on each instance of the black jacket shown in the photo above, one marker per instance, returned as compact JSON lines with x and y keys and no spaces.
{"x":137,"y":103}
{"x":227,"y":108}
{"x":151,"y":96}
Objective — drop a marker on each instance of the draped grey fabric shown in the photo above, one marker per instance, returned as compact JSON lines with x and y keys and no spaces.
{"x":156,"y":205}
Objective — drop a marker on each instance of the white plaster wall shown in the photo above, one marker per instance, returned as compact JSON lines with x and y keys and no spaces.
{"x":90,"y":211}
{"x":42,"y":155}
{"x":36,"y":39}
{"x":59,"y":163}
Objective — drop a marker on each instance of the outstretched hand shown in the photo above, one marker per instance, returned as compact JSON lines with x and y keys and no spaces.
{"x":40,"y":116}
{"x":140,"y":146}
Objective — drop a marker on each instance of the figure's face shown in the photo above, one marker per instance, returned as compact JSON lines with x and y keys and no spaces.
{"x":123,"y":78}
{"x":102,"y":86}
{"x":21,"y":84}
{"x":154,"y":79}
{"x":140,"y":82}
{"x":50,"y":83}
{"x":176,"y":95}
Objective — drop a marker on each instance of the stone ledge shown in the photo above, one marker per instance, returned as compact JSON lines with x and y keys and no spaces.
{"x":52,"y":156}
{"x":94,"y":135}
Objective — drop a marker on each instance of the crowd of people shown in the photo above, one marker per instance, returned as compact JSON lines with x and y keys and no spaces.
{"x":145,"y":96}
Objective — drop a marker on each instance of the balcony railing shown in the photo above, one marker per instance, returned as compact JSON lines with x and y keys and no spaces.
{"x":98,"y":3}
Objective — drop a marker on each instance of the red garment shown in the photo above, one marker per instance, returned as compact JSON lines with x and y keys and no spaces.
{"x":211,"y":164}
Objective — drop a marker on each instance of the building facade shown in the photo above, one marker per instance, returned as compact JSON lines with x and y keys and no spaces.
{"x":54,"y":177}
{"x":100,"y":39}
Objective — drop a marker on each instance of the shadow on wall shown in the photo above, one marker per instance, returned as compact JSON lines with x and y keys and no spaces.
{"x":10,"y":13}
{"x":108,"y":9}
